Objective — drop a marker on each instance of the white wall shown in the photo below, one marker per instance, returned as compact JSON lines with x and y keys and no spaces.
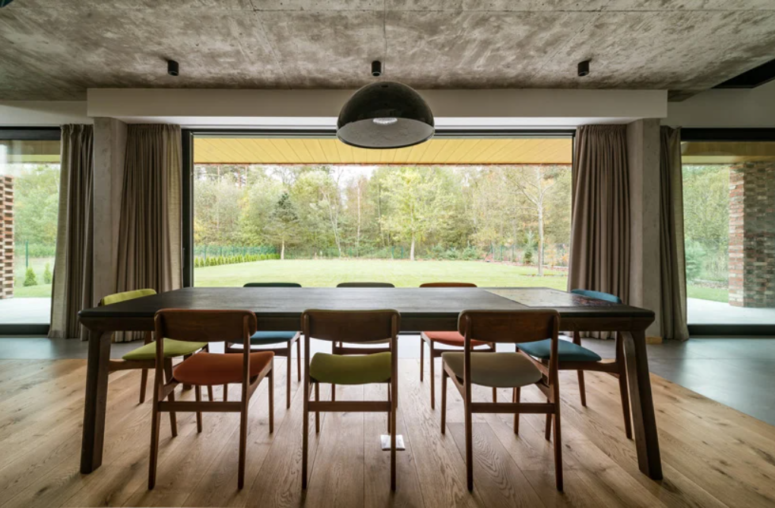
{"x":725,"y":108}
{"x":42,"y":113}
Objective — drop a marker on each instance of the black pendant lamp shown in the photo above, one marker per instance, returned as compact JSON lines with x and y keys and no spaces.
{"x":385,"y":115}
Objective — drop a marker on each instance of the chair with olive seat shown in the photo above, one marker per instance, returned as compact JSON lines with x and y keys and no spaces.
{"x":573,"y":356}
{"x":451,"y":339}
{"x":351,"y":327}
{"x":504,"y":370}
{"x":339,"y":348}
{"x":144,"y":357}
{"x":270,"y":338}
{"x":206,"y":369}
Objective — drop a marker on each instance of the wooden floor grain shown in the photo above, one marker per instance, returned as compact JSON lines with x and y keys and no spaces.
{"x":712,"y":455}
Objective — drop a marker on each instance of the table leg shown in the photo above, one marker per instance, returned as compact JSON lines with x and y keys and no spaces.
{"x":643,"y":419}
{"x":96,"y":400}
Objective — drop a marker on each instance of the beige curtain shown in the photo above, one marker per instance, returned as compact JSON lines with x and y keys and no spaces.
{"x":671,"y":237}
{"x":72,"y":277}
{"x":600,"y":230}
{"x":149,"y":248}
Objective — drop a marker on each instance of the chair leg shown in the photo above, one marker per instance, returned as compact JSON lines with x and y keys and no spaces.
{"x":469,"y":448}
{"x":625,"y":403}
{"x":516,"y":398}
{"x":390,"y":411}
{"x":210,"y":393}
{"x":288,"y":381}
{"x":392,"y":425}
{"x":557,"y":452}
{"x":198,"y":395}
{"x":317,"y":413}
{"x":333,"y":392}
{"x":548,"y":433}
{"x":298,"y":359}
{"x":305,"y":437}
{"x":143,"y":384}
{"x":422,"y":358}
{"x":225,"y":393}
{"x":185,"y":386}
{"x":443,"y":400}
{"x":271,"y":396}
{"x":243,"y":440}
{"x":432,"y":358}
{"x":582,"y":389}
{"x":494,"y":394}
{"x":173,"y":416}
{"x":155,"y":419}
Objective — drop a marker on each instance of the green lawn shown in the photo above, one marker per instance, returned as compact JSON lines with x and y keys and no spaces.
{"x":38,"y":265}
{"x":402,"y":273}
{"x":706,"y":293}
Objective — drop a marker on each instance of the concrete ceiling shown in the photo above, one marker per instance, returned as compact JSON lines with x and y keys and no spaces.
{"x":57,"y":49}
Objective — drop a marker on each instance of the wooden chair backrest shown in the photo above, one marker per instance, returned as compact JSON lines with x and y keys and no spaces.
{"x":272,"y":285}
{"x":352,"y":326}
{"x":205,"y":325}
{"x":365,"y":285}
{"x":448,"y":285}
{"x":509,"y":326}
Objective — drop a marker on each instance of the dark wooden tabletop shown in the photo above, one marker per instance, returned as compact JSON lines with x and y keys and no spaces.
{"x":410,"y":302}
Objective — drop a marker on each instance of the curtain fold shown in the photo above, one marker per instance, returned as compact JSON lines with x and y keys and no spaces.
{"x":671,"y":237}
{"x":600,"y":227}
{"x":73,"y":267}
{"x":150,"y":231}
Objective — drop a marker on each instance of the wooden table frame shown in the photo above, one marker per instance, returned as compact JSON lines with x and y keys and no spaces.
{"x":277,"y":309}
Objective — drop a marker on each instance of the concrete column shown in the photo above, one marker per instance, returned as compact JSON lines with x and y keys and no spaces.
{"x":643,"y":159}
{"x":109,"y":150}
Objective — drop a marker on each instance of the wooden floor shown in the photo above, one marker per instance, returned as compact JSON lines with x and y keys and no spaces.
{"x":712,"y":455}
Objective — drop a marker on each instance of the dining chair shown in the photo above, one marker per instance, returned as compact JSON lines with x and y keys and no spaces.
{"x":574,"y":356}
{"x":207,"y":369}
{"x":339,"y":348}
{"x":504,"y":370}
{"x":352,"y":327}
{"x":452,"y":339}
{"x":268,"y":338}
{"x":144,"y":357}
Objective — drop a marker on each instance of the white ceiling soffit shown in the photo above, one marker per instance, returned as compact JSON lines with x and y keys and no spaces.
{"x":319,"y":108}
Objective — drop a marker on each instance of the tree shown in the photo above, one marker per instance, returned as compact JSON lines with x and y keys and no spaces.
{"x":284,"y":222}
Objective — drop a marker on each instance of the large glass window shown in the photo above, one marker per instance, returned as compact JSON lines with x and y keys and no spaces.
{"x":729,"y":195}
{"x":29,"y":200}
{"x":318,"y":212}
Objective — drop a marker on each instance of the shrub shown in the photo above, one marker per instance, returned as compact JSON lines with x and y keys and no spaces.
{"x":527,"y":257}
{"x":47,"y":274}
{"x":29,"y":278}
{"x":695,"y":254}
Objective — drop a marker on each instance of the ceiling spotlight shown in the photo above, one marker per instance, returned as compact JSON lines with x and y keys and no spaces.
{"x":376,"y":68}
{"x":385,"y":114}
{"x":583,"y":68}
{"x":172,"y":67}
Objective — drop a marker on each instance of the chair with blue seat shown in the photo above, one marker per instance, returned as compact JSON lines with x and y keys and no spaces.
{"x":144,"y":357}
{"x":574,"y":356}
{"x":261,"y":339}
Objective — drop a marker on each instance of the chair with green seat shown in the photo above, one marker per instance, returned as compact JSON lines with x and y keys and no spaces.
{"x":352,"y":327}
{"x":574,"y":356}
{"x":144,"y":357}
{"x":261,"y":339}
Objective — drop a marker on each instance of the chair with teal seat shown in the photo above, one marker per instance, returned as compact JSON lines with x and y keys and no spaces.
{"x":144,"y":357}
{"x":351,"y":326}
{"x":574,"y":356}
{"x":261,"y":339}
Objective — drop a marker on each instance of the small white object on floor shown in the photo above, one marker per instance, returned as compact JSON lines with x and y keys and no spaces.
{"x":385,"y":439}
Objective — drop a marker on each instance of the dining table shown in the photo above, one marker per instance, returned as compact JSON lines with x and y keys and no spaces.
{"x":436,"y":309}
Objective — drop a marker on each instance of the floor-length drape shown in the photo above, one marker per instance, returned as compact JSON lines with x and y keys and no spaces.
{"x":72,"y":277}
{"x":600,"y":228}
{"x":671,"y":237}
{"x":149,"y":248}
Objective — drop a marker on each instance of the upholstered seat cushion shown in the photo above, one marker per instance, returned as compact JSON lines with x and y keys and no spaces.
{"x":502,"y":370}
{"x":350,"y":370}
{"x":566,"y":351}
{"x":451,"y":339}
{"x":217,"y":369}
{"x":271,"y":337}
{"x":172,"y":348}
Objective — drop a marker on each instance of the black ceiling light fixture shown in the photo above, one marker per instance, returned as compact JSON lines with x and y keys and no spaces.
{"x":583,"y":68}
{"x":172,"y":68}
{"x":385,"y":115}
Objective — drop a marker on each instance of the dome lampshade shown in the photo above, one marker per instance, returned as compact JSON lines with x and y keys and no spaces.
{"x":385,"y":115}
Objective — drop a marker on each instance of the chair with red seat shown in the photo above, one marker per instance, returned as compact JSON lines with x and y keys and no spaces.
{"x":452,"y":339}
{"x":208,"y":369}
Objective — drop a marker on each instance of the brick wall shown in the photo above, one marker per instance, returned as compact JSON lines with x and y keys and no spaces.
{"x":752,"y":234}
{"x":6,"y":237}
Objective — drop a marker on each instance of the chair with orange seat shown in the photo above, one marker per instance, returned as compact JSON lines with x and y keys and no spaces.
{"x":451,"y":339}
{"x":207,"y":369}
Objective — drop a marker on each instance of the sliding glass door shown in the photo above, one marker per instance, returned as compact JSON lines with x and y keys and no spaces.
{"x":309,"y":209}
{"x":29,"y":201}
{"x":729,"y":210}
